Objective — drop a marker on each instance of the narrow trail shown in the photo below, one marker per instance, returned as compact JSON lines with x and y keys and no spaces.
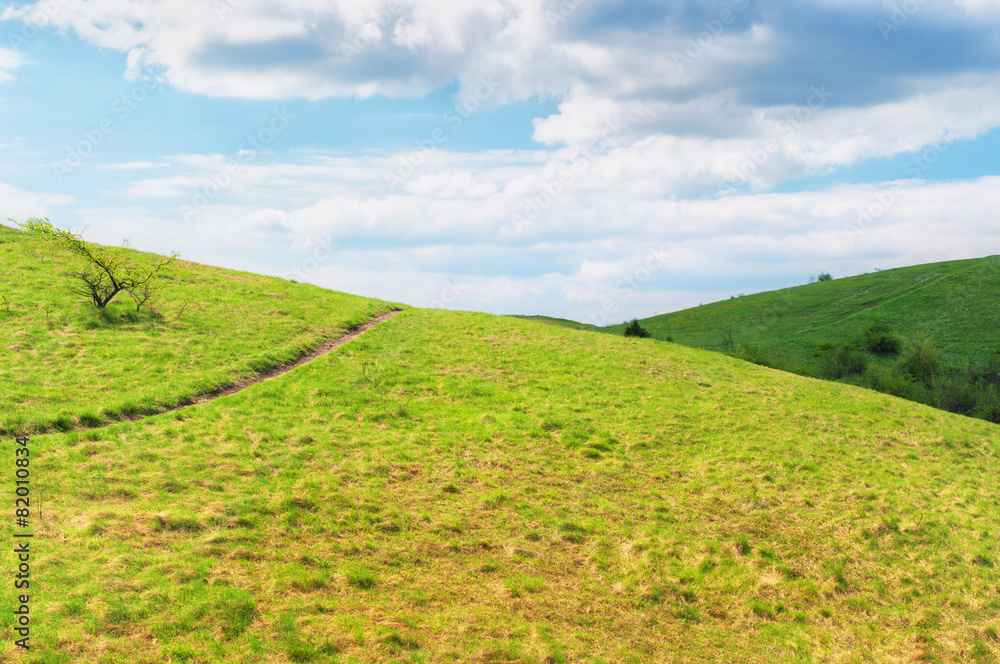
{"x":244,"y":383}
{"x":322,"y":350}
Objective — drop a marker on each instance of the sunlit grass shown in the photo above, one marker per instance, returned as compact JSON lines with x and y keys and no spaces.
{"x":462,"y":487}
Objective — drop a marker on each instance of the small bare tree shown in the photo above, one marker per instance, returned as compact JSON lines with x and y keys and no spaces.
{"x":108,"y":272}
{"x":141,"y":295}
{"x":728,"y":343}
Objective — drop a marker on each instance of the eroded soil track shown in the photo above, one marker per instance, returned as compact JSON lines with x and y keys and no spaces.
{"x":247,"y":381}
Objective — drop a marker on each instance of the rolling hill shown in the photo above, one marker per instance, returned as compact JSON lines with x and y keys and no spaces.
{"x":455,"y":486}
{"x":956,"y":303}
{"x":66,"y":363}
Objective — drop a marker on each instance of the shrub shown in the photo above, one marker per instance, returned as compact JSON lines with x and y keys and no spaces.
{"x":956,"y":394}
{"x":920,"y":361}
{"x":988,"y":404}
{"x":635,"y":330}
{"x":842,"y":361}
{"x":889,"y":381}
{"x":824,"y":276}
{"x":822,"y":347}
{"x":751,"y":353}
{"x":881,"y":339}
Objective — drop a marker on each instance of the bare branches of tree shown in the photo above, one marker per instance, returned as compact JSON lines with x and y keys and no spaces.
{"x":107,"y":272}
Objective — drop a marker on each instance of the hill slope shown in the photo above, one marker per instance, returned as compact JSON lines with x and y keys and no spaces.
{"x":957,"y":303}
{"x":464,"y":487}
{"x":63,"y":363}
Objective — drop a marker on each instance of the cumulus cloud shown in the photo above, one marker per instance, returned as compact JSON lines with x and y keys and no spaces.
{"x":724,"y":70}
{"x":766,"y":52}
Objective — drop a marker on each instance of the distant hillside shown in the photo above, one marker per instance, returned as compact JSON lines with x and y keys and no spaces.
{"x":956,"y":303}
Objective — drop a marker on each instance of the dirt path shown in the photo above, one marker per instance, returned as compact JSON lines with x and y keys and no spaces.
{"x":246,"y":382}
{"x":323,"y":349}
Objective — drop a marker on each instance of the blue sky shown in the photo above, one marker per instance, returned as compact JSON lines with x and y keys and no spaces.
{"x":589,"y":159}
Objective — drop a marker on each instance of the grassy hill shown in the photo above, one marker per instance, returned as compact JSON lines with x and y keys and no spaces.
{"x":957,"y":303}
{"x":459,"y":487}
{"x":65,"y":363}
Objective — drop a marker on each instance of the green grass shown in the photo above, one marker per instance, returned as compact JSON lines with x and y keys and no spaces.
{"x":565,"y":322}
{"x":457,"y":487}
{"x":67,"y":364}
{"x":957,"y":303}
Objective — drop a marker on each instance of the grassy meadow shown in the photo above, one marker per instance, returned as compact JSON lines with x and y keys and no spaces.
{"x":458,"y":487}
{"x":65,"y":364}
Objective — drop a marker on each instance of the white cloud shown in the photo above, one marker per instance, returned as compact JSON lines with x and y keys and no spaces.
{"x":19,"y":204}
{"x":302,"y":48}
{"x":9,"y":61}
{"x":133,"y":165}
{"x":714,"y":248}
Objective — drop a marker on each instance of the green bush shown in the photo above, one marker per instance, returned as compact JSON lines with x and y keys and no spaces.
{"x":751,"y":353}
{"x":956,"y":393}
{"x":920,"y":361}
{"x":842,"y":361}
{"x":890,"y":381}
{"x":988,"y":404}
{"x":635,"y":330}
{"x":881,"y":339}
{"x":822,"y":347}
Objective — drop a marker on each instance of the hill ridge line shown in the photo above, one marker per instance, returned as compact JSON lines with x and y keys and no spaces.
{"x":249,"y":381}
